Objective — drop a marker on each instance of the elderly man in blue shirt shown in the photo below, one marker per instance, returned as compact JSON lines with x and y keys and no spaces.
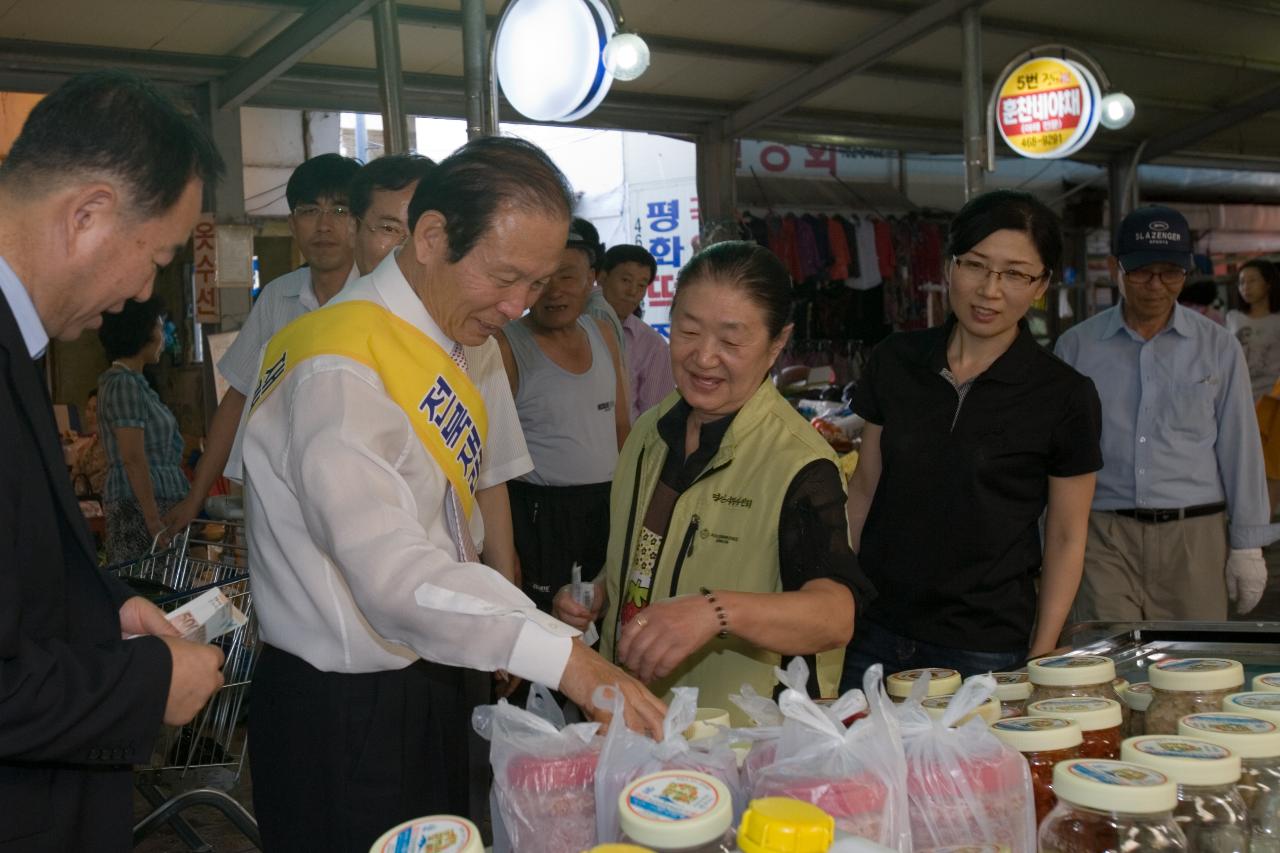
{"x":1180,"y":513}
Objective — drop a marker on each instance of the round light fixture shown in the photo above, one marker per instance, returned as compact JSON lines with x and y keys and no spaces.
{"x":548,"y":57}
{"x":1117,"y":110}
{"x":626,"y":56}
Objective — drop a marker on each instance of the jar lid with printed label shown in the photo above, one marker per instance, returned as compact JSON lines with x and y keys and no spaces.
{"x":674,"y":809}
{"x":1258,"y":703}
{"x":1185,"y":760}
{"x":1012,"y":686}
{"x":941,"y":682}
{"x":1091,"y":713}
{"x":1038,"y":734}
{"x":1114,"y":786}
{"x":443,"y":833}
{"x":1196,"y":674}
{"x":936,"y":708}
{"x":1139,"y":695}
{"x":1072,"y":670}
{"x":1269,"y":681}
{"x":1248,"y":737}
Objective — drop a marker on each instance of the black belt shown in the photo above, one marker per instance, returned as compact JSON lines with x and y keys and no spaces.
{"x":1160,"y":516}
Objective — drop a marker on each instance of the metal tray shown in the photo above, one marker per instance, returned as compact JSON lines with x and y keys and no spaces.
{"x":1136,"y":645}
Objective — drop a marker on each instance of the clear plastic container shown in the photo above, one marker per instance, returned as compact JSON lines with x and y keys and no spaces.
{"x":1257,"y":742}
{"x":936,"y":707}
{"x":779,"y":825}
{"x":1044,"y":742}
{"x":443,"y":833}
{"x":1013,"y":689}
{"x":1262,"y":704}
{"x":1111,"y":807}
{"x":1099,"y":720}
{"x":941,"y":682}
{"x":1138,"y":699}
{"x":1071,"y":675}
{"x":1268,"y":681}
{"x":1189,"y":686}
{"x":677,"y":811}
{"x":1210,"y":811}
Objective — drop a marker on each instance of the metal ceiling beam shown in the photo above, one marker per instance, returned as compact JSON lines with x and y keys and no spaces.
{"x":1188,"y":135}
{"x":294,"y":42}
{"x":869,"y":50}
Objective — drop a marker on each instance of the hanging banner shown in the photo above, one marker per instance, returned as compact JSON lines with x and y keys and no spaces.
{"x":664,"y":218}
{"x":204,"y":271}
{"x":1048,"y":108}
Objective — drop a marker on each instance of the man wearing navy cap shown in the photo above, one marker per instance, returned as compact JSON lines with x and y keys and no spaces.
{"x":1180,"y":513}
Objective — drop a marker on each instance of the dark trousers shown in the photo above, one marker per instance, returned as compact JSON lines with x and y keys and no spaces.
{"x":339,"y":759}
{"x":873,"y":643}
{"x":554,"y":527}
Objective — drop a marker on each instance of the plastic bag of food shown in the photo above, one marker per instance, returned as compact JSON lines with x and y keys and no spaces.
{"x":626,"y":755}
{"x":543,"y":775}
{"x":855,"y":773}
{"x":965,"y":786}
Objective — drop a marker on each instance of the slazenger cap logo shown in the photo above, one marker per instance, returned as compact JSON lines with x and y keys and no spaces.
{"x":1159,"y":225}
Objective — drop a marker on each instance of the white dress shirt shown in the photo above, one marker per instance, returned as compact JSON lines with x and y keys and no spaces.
{"x":353,"y":566}
{"x":24,"y":311}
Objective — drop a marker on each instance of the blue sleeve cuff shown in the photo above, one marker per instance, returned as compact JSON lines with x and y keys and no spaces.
{"x":1253,"y":535}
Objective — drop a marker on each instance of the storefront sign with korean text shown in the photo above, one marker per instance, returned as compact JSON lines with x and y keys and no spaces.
{"x":664,"y":220}
{"x":1048,"y":108}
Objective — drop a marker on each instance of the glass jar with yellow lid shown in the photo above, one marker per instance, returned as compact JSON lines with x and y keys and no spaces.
{"x":1099,"y":721}
{"x":941,"y":682}
{"x":1013,"y":689}
{"x":1210,"y":812}
{"x":1111,"y":807}
{"x":781,"y":825}
{"x":1044,"y":742}
{"x":936,"y":708}
{"x":1184,"y":686}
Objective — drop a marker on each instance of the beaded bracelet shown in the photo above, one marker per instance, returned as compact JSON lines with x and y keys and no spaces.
{"x":720,"y":614}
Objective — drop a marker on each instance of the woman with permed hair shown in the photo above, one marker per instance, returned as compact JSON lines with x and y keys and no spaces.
{"x":139,"y":433}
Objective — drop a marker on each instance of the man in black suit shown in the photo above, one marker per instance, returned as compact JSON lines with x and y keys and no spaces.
{"x":102,"y":187}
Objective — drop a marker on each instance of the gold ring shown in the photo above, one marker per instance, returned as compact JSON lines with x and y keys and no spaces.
{"x":641,"y":621}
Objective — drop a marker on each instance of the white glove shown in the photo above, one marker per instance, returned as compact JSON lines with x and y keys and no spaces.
{"x":1246,"y":578}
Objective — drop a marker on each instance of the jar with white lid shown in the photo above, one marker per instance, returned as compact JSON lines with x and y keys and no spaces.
{"x":1013,"y":689}
{"x":936,"y":707}
{"x":677,"y":811}
{"x":941,"y":682}
{"x":1137,"y":698}
{"x":443,"y":833}
{"x":1111,"y":807}
{"x":1073,"y":675}
{"x":1262,"y":704}
{"x":1189,"y":686}
{"x":1268,"y":681}
{"x":1210,"y":811}
{"x":1257,"y":742}
{"x":1099,"y":721}
{"x":1044,"y":742}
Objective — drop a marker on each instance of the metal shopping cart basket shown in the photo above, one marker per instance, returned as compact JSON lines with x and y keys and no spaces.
{"x":196,"y":764}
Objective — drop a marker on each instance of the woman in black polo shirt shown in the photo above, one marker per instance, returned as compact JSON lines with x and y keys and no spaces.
{"x":973,"y":430}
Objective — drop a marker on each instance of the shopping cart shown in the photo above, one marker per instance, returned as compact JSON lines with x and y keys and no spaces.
{"x":197,"y":764}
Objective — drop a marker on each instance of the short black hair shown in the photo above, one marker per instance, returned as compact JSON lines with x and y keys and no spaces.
{"x":749,"y":267}
{"x":114,"y":124}
{"x":626,"y":253}
{"x":323,"y":176}
{"x":469,"y":186}
{"x":389,"y":172}
{"x":1271,"y":275}
{"x":584,"y":237}
{"x":123,"y":335}
{"x":1008,"y":210}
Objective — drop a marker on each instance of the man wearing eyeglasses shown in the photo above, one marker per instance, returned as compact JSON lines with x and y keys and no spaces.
{"x":380,"y":194}
{"x":1180,"y":513}
{"x":322,"y":224}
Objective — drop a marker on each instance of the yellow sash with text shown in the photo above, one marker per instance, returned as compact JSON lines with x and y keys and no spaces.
{"x":442,"y":403}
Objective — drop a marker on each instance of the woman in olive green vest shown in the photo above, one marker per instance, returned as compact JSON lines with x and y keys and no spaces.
{"x":728,"y":543}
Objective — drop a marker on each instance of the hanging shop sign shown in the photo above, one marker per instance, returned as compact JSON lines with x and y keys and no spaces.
{"x":1048,"y":108}
{"x":204,"y":271}
{"x":664,"y":219}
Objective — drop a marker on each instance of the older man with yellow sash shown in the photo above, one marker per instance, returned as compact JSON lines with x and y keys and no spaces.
{"x":363,"y":448}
